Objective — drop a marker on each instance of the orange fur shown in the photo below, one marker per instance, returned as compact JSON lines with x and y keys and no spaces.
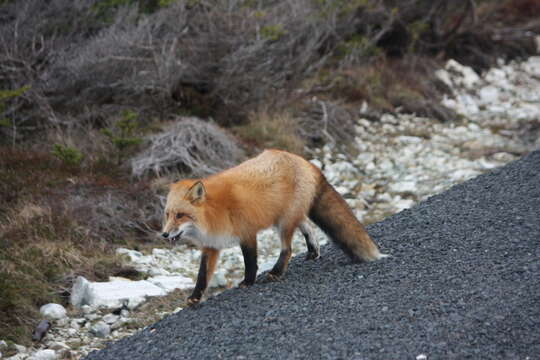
{"x":275,"y":188}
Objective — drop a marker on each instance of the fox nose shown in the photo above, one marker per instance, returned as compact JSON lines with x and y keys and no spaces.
{"x":165,"y":235}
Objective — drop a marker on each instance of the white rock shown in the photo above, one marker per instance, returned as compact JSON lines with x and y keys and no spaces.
{"x":316,"y":162}
{"x":463,"y":174}
{"x":503,"y":157}
{"x":72,"y":332}
{"x":53,"y":311}
{"x":170,"y":283}
{"x":111,"y":318}
{"x":403,"y":187}
{"x":342,"y":190}
{"x":100,"y":329}
{"x":87,"y":309}
{"x":403,"y":204}
{"x":91,"y":317}
{"x":113,"y":294}
{"x":409,"y":139}
{"x":19,"y":348}
{"x":468,"y":78}
{"x":62,"y":322}
{"x":218,"y":280}
{"x":444,"y":76}
{"x":79,"y":321}
{"x":58,"y":346}
{"x":79,"y":292}
{"x":3,"y":345}
{"x":489,"y":94}
{"x":421,"y":357}
{"x":47,"y":354}
{"x":124,"y":313}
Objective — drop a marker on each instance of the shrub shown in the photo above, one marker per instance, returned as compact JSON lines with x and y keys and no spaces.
{"x":68,"y":155}
{"x":5,"y":121}
{"x":122,"y":134}
{"x":190,"y":146}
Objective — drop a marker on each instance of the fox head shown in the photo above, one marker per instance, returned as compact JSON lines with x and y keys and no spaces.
{"x":183,"y":211}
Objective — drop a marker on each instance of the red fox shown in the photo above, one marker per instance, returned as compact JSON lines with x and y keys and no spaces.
{"x":276,"y":188}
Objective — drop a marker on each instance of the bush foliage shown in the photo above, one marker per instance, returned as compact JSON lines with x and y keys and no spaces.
{"x":226,"y":59}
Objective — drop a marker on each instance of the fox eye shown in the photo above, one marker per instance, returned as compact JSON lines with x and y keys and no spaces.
{"x":179,"y":215}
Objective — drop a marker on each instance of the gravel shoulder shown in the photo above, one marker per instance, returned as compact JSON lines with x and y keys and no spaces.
{"x":462,"y":282}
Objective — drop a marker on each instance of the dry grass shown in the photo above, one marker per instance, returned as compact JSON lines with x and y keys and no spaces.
{"x":56,"y":223}
{"x":272,"y":129}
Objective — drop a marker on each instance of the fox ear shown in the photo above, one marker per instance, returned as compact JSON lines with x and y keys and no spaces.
{"x":196,"y":193}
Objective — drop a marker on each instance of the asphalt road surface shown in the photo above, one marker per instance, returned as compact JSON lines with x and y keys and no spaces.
{"x":463,"y":282}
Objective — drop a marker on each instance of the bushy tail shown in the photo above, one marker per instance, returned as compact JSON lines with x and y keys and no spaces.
{"x":334,"y":216}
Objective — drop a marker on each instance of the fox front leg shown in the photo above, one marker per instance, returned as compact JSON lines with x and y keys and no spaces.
{"x":249,"y":251}
{"x":206,"y":270}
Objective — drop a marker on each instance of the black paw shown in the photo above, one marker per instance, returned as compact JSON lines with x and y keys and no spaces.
{"x":193,"y":300}
{"x":245,"y":283}
{"x":312,"y":256}
{"x":270,"y":277}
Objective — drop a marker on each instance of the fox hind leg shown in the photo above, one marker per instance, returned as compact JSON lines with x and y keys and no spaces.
{"x":311,"y":241}
{"x":286,"y":234}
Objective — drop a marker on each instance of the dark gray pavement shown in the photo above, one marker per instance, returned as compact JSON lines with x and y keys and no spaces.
{"x":463,"y":282}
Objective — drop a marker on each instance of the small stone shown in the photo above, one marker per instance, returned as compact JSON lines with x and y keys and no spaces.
{"x":92,"y":317}
{"x":403,"y":187}
{"x":58,"y":345}
{"x":218,"y":279}
{"x":119,"y":323}
{"x":110,"y":318}
{"x":124,"y":313}
{"x":75,"y":325}
{"x":100,"y":329}
{"x":41,"y":329}
{"x":53,"y":311}
{"x":3,"y":345}
{"x":47,"y":354}
{"x":62,"y":322}
{"x":421,"y":357}
{"x":72,"y":332}
{"x":87,"y":309}
{"x":503,"y":157}
{"x":19,"y":348}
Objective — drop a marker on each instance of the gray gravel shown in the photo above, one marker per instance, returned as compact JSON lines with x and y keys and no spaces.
{"x":462,"y":282}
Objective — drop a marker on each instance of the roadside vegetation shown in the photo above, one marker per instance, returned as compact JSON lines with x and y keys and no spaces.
{"x":102,"y":102}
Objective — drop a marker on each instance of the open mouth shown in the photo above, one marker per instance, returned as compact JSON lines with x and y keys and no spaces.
{"x":176,"y":238}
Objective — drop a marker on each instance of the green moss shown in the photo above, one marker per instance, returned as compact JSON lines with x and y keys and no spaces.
{"x":272,"y":32}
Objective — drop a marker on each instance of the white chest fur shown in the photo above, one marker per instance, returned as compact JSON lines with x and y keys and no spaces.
{"x":202,"y":239}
